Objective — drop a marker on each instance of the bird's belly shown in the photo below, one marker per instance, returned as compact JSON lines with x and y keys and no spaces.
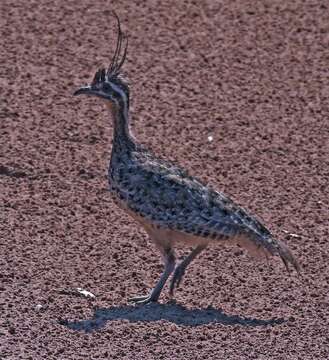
{"x":164,"y":235}
{"x":178,"y":237}
{"x":158,"y":233}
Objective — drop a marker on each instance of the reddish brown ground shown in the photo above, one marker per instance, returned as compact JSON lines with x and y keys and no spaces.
{"x":254,"y":76}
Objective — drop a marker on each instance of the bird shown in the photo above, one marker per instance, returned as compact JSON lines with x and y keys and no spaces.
{"x":172,"y":206}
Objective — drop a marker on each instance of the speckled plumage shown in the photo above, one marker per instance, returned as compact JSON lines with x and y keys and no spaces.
{"x":166,"y":196}
{"x":172,"y":206}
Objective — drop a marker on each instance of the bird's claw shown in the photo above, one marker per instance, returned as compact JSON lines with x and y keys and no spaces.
{"x":142,"y":300}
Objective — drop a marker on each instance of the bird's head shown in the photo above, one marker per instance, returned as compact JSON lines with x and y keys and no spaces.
{"x":108,"y":84}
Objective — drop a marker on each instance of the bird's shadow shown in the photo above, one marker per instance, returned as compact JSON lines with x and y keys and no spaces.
{"x":171,"y":312}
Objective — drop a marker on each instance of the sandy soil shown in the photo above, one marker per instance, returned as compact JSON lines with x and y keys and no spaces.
{"x":253,"y":76}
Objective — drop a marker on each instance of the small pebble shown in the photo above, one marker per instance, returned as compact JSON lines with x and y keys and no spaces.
{"x":38,"y":307}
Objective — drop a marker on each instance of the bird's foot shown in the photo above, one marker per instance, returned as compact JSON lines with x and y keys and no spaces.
{"x":142,"y":300}
{"x":176,"y":279}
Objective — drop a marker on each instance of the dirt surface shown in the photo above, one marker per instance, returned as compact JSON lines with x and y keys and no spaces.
{"x":235,"y":91}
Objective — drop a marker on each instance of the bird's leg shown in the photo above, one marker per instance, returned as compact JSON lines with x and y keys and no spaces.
{"x":169,"y":262}
{"x":180,"y":269}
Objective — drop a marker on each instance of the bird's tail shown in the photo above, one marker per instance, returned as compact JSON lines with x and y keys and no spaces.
{"x":265,"y":246}
{"x":286,"y":255}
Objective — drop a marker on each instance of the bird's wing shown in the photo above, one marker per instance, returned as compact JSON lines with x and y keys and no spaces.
{"x":166,"y":193}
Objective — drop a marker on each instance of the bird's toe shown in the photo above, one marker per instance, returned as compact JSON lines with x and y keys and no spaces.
{"x":142,"y":300}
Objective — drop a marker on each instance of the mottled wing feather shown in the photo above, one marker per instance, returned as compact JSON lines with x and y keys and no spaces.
{"x":167,"y":194}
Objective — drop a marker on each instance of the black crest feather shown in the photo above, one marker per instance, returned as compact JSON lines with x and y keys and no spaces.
{"x":117,"y":60}
{"x":119,"y":57}
{"x":99,"y":76}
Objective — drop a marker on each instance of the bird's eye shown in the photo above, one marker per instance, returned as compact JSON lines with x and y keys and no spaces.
{"x":107,"y":87}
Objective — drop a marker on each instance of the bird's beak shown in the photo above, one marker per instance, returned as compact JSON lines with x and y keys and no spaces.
{"x":83,"y":90}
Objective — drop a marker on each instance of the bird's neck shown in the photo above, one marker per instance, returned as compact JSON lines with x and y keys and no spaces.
{"x":122,"y":136}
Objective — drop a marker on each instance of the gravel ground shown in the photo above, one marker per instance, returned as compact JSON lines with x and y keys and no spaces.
{"x":235,"y":91}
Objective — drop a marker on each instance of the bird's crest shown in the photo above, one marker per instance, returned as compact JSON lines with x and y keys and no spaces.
{"x":118,"y":58}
